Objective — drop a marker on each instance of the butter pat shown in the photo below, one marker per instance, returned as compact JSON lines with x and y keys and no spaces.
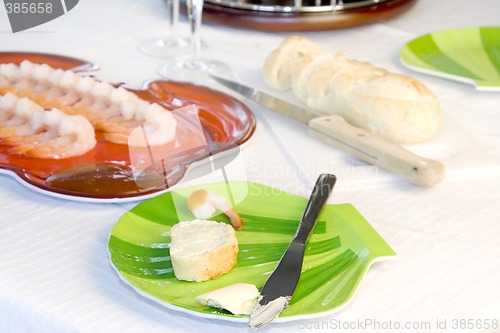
{"x":238,"y":298}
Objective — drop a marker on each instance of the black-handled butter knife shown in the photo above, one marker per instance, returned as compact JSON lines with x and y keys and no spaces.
{"x":279,"y":287}
{"x":365,"y":146}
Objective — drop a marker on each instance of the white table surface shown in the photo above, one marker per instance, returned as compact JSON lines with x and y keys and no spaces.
{"x":54,"y":270}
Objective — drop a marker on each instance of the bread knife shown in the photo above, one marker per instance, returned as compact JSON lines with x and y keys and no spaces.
{"x":280,"y":286}
{"x":360,"y":143}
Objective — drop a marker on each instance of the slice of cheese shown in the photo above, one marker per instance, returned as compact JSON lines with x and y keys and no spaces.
{"x":238,"y":298}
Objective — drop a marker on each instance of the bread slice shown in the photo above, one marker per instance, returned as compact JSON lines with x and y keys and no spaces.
{"x":201,"y":250}
{"x":391,"y":105}
{"x":398,"y":107}
{"x":309,"y":66}
{"x":279,"y":65}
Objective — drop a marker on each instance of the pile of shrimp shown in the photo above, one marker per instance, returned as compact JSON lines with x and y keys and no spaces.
{"x":32,"y":131}
{"x":113,"y":110}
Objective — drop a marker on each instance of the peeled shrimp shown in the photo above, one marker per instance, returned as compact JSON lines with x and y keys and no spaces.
{"x":34,"y":132}
{"x":156,"y":128}
{"x":112,"y":110}
{"x":203,"y":204}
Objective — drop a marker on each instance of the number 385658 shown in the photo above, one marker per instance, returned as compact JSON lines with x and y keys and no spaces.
{"x":28,"y":7}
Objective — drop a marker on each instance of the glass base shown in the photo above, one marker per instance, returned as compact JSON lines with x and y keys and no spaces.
{"x":193,"y":70}
{"x":165,"y":47}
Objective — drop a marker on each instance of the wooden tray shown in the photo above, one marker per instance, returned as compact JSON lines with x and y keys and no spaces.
{"x":281,"y":22}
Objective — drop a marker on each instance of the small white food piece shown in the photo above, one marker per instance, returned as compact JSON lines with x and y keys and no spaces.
{"x":238,"y":298}
{"x":203,"y":204}
{"x":201,"y":250}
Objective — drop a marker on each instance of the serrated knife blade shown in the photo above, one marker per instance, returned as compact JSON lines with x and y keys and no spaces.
{"x":279,"y":287}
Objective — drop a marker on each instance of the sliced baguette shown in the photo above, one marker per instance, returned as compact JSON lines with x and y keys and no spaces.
{"x":201,"y":250}
{"x":391,"y":105}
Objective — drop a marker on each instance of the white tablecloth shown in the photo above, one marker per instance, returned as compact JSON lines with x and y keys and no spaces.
{"x":54,"y":270}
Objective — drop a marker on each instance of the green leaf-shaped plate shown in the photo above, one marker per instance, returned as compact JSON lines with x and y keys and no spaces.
{"x":470,"y":55}
{"x":339,"y":252}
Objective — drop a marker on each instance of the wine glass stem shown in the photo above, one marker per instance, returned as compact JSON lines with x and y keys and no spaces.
{"x":195,"y":9}
{"x":173,"y":16}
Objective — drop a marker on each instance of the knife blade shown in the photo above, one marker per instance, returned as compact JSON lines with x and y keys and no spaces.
{"x":335,"y":131}
{"x":279,"y":287}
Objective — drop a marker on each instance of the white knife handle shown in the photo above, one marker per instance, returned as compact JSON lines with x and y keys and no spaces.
{"x":376,"y":150}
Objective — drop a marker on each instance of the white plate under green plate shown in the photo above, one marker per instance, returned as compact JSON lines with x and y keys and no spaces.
{"x":339,"y":252}
{"x":470,"y":55}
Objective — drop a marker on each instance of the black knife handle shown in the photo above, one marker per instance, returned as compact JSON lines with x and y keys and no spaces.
{"x":319,"y":196}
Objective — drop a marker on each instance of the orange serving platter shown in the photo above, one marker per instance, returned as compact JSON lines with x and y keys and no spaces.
{"x":225,"y":123}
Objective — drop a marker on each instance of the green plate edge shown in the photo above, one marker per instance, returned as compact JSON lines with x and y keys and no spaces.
{"x":341,"y":248}
{"x":469,"y":55}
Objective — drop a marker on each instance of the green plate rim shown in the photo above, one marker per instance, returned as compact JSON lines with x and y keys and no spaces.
{"x":380,"y":251}
{"x":420,"y":55}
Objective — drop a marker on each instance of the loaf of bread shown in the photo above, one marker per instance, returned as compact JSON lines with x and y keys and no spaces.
{"x":391,"y":105}
{"x":201,"y":250}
